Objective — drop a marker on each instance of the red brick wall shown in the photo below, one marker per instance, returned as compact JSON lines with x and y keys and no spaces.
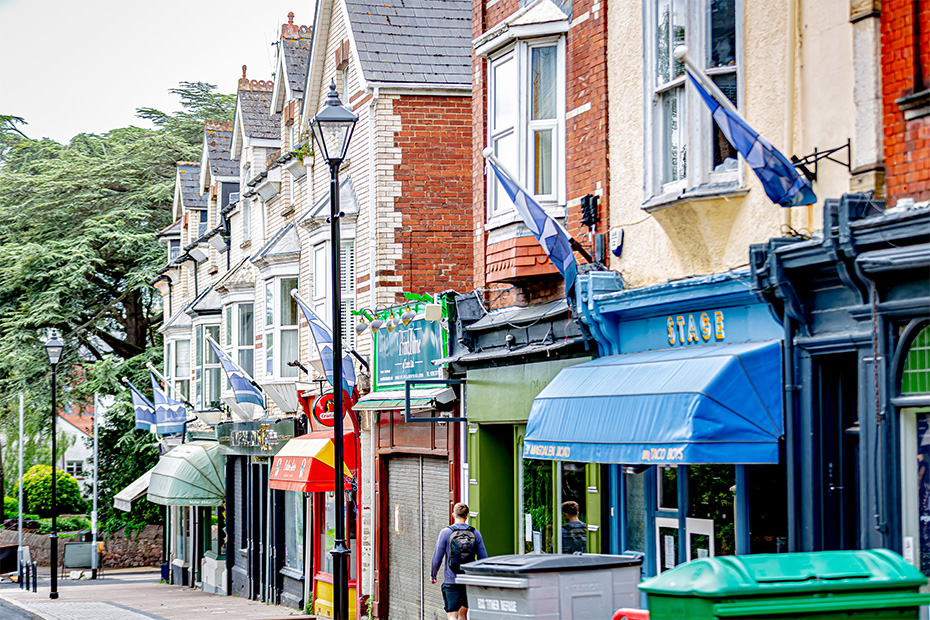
{"x":907,"y":143}
{"x":586,"y":144}
{"x":435,"y":200}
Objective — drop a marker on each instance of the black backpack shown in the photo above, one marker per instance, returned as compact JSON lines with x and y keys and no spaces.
{"x":574,"y":537}
{"x":463,"y":548}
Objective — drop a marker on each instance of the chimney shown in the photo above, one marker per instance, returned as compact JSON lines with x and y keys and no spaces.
{"x":290,"y":29}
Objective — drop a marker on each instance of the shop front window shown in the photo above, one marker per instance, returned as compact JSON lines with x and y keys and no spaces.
{"x":538,"y":523}
{"x":294,"y":530}
{"x":218,"y":530}
{"x":710,"y":492}
{"x":635,"y":495}
{"x":328,"y":537}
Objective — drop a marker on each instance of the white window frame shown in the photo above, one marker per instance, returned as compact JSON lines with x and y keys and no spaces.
{"x":174,"y":249}
{"x":521,"y":52}
{"x":274,"y":330}
{"x":173,"y":364}
{"x":232,"y":343}
{"x":698,"y":124}
{"x":322,"y":286}
{"x":203,"y":399}
{"x":246,"y":220}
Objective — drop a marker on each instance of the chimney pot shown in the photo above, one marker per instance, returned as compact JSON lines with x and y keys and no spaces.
{"x":290,"y":17}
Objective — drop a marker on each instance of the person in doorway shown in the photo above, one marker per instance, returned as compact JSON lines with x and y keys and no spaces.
{"x":459,"y":543}
{"x":574,"y":530}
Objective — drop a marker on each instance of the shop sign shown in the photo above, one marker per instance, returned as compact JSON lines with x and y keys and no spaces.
{"x":408,"y":353}
{"x":256,"y":438}
{"x":685,"y":329}
{"x":551,"y":451}
{"x":324,"y":408}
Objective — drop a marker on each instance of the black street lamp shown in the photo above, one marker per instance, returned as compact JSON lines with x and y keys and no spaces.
{"x":53,"y":349}
{"x":332,"y":128}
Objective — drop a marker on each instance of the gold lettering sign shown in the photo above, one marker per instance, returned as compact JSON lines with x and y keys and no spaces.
{"x":688,"y":329}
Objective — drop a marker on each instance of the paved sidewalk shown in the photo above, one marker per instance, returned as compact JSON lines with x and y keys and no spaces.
{"x":135,"y":595}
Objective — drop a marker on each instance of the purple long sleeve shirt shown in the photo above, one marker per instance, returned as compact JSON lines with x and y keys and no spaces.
{"x":442,"y":551}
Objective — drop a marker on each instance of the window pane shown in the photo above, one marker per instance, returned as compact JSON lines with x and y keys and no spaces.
{"x":183,"y":367}
{"x":294,"y":530}
{"x":269,"y":305}
{"x":678,"y":34}
{"x":229,"y":326}
{"x":635,"y":492}
{"x":213,"y":387}
{"x":505,"y":94}
{"x":247,"y":361}
{"x":663,"y":54}
{"x":710,"y":498}
{"x":923,"y":490}
{"x":505,"y":148}
{"x":319,"y":271}
{"x":542,"y":148}
{"x":288,"y":352}
{"x":288,"y":303}
{"x":214,"y":332}
{"x":328,"y":537}
{"x":673,"y":140}
{"x":543,"y":82}
{"x":721,"y":23}
{"x":246,"y":325}
{"x":269,"y":354}
{"x":198,"y":334}
{"x":725,"y":155}
{"x":668,"y":487}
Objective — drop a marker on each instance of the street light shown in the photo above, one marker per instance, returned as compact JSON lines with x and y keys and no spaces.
{"x":53,"y":349}
{"x":332,"y":128}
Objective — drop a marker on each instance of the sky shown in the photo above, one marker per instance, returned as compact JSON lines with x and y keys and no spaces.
{"x":71,"y":67}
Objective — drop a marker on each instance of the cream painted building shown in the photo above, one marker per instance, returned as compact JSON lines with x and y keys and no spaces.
{"x":798,"y":70}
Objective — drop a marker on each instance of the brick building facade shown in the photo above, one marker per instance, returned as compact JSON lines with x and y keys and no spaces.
{"x":905,"y":54}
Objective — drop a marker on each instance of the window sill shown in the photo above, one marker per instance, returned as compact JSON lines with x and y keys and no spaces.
{"x":915,"y":105}
{"x":702,"y":192}
{"x":245,"y":243}
{"x":293,"y":573}
{"x":511,"y":216}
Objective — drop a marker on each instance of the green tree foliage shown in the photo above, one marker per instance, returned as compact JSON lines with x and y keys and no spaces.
{"x":77,"y":253}
{"x":37,"y":492}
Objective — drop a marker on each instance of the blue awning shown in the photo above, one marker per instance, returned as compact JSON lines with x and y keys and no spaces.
{"x":713,"y":404}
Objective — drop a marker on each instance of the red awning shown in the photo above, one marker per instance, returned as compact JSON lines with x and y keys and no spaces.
{"x":306,"y":463}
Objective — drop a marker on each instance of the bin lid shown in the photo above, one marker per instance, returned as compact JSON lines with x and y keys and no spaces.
{"x":786,"y":573}
{"x":539,"y":563}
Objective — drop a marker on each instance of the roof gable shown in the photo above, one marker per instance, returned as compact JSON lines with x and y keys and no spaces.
{"x":217,"y":138}
{"x":187,"y":184}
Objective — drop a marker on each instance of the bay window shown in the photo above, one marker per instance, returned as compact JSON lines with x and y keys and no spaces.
{"x":207,"y":368}
{"x":526,"y":120}
{"x":684,"y":148}
{"x":239,"y":337}
{"x":281,"y":339}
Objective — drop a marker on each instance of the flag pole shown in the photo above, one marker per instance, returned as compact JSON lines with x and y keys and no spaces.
{"x":681,"y":55}
{"x":233,"y":362}
{"x":161,"y":377}
{"x":351,"y":351}
{"x":21,"y":406}
{"x":93,"y":520}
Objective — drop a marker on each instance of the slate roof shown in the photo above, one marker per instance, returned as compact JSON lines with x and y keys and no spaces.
{"x":256,"y":122}
{"x":413,"y":41}
{"x":218,"y":136}
{"x":296,"y":60}
{"x":174,"y":230}
{"x":180,"y":320}
{"x":348,"y":203}
{"x":189,"y":183}
{"x":208,"y":302}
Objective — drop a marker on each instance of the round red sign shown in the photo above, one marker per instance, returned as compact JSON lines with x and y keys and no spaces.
{"x":323,"y":410}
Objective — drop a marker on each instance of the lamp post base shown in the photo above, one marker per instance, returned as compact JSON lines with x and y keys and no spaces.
{"x":340,"y":553}
{"x":53,"y":552}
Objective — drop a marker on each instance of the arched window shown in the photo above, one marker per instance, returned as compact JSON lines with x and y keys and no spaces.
{"x":915,"y":376}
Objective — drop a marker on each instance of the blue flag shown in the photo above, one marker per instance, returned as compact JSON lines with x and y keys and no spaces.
{"x":553,"y":238}
{"x":170,"y":414}
{"x":241,"y":383}
{"x":144,"y":409}
{"x":324,"y":346}
{"x":783,"y":184}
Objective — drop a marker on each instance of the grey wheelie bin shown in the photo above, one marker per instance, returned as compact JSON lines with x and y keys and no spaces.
{"x":827,"y":585}
{"x":580,"y":587}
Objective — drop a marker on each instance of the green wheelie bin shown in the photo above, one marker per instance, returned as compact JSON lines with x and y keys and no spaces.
{"x":827,"y":585}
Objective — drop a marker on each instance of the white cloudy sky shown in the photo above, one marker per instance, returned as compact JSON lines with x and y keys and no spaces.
{"x":70,"y":66}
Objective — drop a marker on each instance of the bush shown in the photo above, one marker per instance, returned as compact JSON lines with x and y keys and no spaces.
{"x":65,"y":524}
{"x":10,"y":507}
{"x":37,"y":492}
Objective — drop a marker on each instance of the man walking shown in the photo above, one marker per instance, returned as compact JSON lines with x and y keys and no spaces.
{"x":459,"y":543}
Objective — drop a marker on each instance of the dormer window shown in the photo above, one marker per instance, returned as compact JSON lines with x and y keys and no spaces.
{"x":174,"y":250}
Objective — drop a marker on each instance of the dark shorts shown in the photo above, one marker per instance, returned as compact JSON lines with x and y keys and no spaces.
{"x":453,"y":597}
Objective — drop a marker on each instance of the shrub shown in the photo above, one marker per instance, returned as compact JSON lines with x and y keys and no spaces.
{"x":10,"y":507}
{"x":37,"y":492}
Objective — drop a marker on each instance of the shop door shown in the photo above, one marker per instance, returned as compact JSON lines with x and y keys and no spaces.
{"x":258,"y":506}
{"x":418,"y":507}
{"x":839,"y":451}
{"x":238,"y":526}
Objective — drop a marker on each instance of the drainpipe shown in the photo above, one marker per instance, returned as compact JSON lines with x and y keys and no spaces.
{"x":789,"y":395}
{"x":372,"y":303}
{"x":790,"y":44}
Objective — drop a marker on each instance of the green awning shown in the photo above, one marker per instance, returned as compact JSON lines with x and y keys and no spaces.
{"x":190,"y":475}
{"x":394,"y":400}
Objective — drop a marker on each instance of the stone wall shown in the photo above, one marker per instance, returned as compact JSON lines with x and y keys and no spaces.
{"x":120,"y":551}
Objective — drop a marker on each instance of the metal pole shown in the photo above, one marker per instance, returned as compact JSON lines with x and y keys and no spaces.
{"x":93,"y":515}
{"x":340,"y":551}
{"x":53,"y":538}
{"x":19,"y":552}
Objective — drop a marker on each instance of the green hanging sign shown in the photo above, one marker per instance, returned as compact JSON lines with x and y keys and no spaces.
{"x":407,"y":353}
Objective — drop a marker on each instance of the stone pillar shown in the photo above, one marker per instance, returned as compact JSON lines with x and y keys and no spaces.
{"x":866,"y":159}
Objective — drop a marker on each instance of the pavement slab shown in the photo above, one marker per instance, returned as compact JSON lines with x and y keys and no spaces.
{"x":136,"y":596}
